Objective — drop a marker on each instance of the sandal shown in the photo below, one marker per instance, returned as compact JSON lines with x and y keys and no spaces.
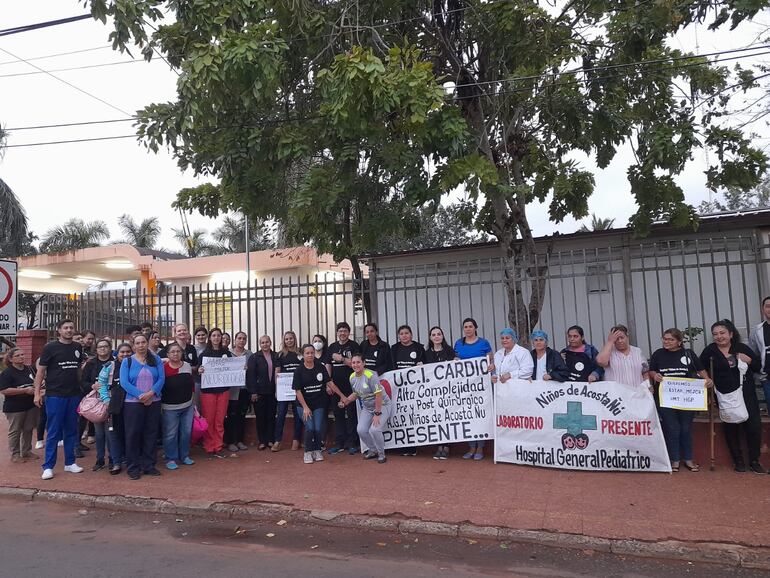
{"x":674,"y":469}
{"x":692,"y":468}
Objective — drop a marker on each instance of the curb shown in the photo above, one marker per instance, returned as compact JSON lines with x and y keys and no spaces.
{"x":733,"y":555}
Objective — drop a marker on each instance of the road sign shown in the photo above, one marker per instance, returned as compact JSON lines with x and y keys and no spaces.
{"x":9,"y":306}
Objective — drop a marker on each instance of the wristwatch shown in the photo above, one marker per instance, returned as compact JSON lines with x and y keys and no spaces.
{"x":377,"y":413}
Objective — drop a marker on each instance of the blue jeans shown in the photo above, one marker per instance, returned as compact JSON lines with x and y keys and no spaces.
{"x":177,"y":430}
{"x":766,"y":389}
{"x":677,"y":429}
{"x":116,"y":439}
{"x":101,"y":441}
{"x":283,"y":409}
{"x":315,"y":429}
{"x":61,"y":424}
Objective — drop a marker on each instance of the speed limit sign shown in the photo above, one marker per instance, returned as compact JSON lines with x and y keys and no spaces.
{"x":8,"y":297}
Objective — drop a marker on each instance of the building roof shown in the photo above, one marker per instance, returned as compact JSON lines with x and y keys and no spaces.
{"x":717,"y":222}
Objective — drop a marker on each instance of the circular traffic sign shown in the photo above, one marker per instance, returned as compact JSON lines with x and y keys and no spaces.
{"x":6,"y":297}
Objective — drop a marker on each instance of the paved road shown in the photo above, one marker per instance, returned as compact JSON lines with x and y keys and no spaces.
{"x":40,"y":540}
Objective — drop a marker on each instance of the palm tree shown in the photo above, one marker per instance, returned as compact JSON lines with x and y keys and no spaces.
{"x":231,"y":235}
{"x":196,"y":244}
{"x":13,"y":221}
{"x":74,"y":234}
{"x":144,"y":234}
{"x":597,"y":224}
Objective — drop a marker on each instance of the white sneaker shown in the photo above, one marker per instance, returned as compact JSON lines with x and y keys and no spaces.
{"x":39,"y":445}
{"x":317,"y":456}
{"x":61,"y":443}
{"x":47,"y":474}
{"x":73,"y":469}
{"x":308,"y":459}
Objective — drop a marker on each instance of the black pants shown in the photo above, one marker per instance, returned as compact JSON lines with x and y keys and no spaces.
{"x":264,"y":410}
{"x":141,"y":423}
{"x":235,"y":421}
{"x":345,"y":425}
{"x":752,"y":429}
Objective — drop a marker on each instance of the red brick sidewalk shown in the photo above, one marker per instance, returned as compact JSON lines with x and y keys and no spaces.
{"x":719,"y":506}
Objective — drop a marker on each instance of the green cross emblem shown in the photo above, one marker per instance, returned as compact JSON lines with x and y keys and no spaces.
{"x":574,"y":421}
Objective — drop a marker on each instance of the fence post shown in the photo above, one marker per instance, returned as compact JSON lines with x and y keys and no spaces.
{"x":186,"y":306}
{"x":628,"y":290}
{"x":372,"y":289}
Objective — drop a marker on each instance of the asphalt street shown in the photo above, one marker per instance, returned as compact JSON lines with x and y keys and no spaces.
{"x":43,"y":539}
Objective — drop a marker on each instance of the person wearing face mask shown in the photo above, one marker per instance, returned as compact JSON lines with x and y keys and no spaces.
{"x":338,"y":364}
{"x":376,"y":352}
{"x":580,"y":357}
{"x":759,"y":341}
{"x":260,"y":381}
{"x":375,"y":408}
{"x":548,"y":364}
{"x":623,"y":362}
{"x":723,"y":358}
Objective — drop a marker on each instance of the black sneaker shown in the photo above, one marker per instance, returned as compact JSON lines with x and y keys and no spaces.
{"x":382,"y":460}
{"x":152,"y":472}
{"x":757,"y":468}
{"x":98,"y":466}
{"x":740,"y":467}
{"x":134,"y":475}
{"x":409,"y":452}
{"x":115,"y":470}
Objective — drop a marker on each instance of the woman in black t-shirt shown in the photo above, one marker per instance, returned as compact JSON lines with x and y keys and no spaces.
{"x":16,"y":384}
{"x":214,"y":400}
{"x":439,"y":350}
{"x":673,"y":360}
{"x":375,"y":352}
{"x":311,"y":381}
{"x":722,"y":358}
{"x":288,"y":362}
{"x":406,"y":353}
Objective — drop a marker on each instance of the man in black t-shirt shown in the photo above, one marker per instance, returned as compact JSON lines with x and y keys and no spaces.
{"x":59,"y":366}
{"x":337,"y":361}
{"x":189,"y":353}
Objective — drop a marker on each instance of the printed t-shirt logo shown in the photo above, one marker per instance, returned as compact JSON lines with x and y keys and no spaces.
{"x":319,"y":376}
{"x":77,"y":353}
{"x":579,"y":366}
{"x":375,"y":353}
{"x":413,"y":355}
{"x":684,"y":360}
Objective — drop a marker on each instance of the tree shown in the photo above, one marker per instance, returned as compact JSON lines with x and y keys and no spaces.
{"x":194,"y":245}
{"x":230,"y":236}
{"x":339,"y":118}
{"x":733,"y":199}
{"x":13,"y":218}
{"x":597,"y":224}
{"x":19,"y":248}
{"x":144,"y":234}
{"x":435,"y":227}
{"x":73,"y":235}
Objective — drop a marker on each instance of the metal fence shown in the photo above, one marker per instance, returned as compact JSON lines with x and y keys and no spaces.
{"x":306,"y":305}
{"x":650,"y":286}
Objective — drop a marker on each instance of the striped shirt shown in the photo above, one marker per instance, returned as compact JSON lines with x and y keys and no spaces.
{"x":627,"y":367}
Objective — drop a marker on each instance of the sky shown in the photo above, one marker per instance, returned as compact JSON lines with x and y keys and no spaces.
{"x":105,"y":179}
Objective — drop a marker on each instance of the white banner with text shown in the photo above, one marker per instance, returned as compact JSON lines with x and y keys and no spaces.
{"x":223,"y":372}
{"x":603,"y":425}
{"x":439,"y":403}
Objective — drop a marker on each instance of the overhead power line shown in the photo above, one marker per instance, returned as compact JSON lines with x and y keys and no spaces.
{"x":58,"y":54}
{"x":65,"y":124}
{"x":39,"y":25}
{"x":35,"y":66}
{"x":56,"y":142}
{"x":87,"y":66}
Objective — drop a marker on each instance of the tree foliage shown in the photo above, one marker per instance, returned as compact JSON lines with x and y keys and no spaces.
{"x":196,"y":244}
{"x":74,"y":234}
{"x":734,"y":199}
{"x":230,"y":236}
{"x":144,"y":234}
{"x":339,"y":119}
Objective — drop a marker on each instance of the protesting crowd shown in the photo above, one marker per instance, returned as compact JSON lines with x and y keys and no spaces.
{"x":131,"y":399}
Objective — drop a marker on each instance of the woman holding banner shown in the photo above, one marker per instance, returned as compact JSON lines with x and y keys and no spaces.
{"x":580,"y":357}
{"x":288,"y":361}
{"x":724,"y":358}
{"x":512,"y":361}
{"x":673,"y":360}
{"x":547,"y":364}
{"x":239,"y":402}
{"x":406,"y":353}
{"x":468,"y":347}
{"x":438,"y":350}
{"x":375,"y":408}
{"x":214,"y":400}
{"x":311,"y":380}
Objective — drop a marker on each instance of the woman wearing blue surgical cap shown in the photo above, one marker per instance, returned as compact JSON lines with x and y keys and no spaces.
{"x":548,"y":364}
{"x":512,"y":361}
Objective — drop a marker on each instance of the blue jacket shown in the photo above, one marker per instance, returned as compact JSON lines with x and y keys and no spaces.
{"x":129,"y":371}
